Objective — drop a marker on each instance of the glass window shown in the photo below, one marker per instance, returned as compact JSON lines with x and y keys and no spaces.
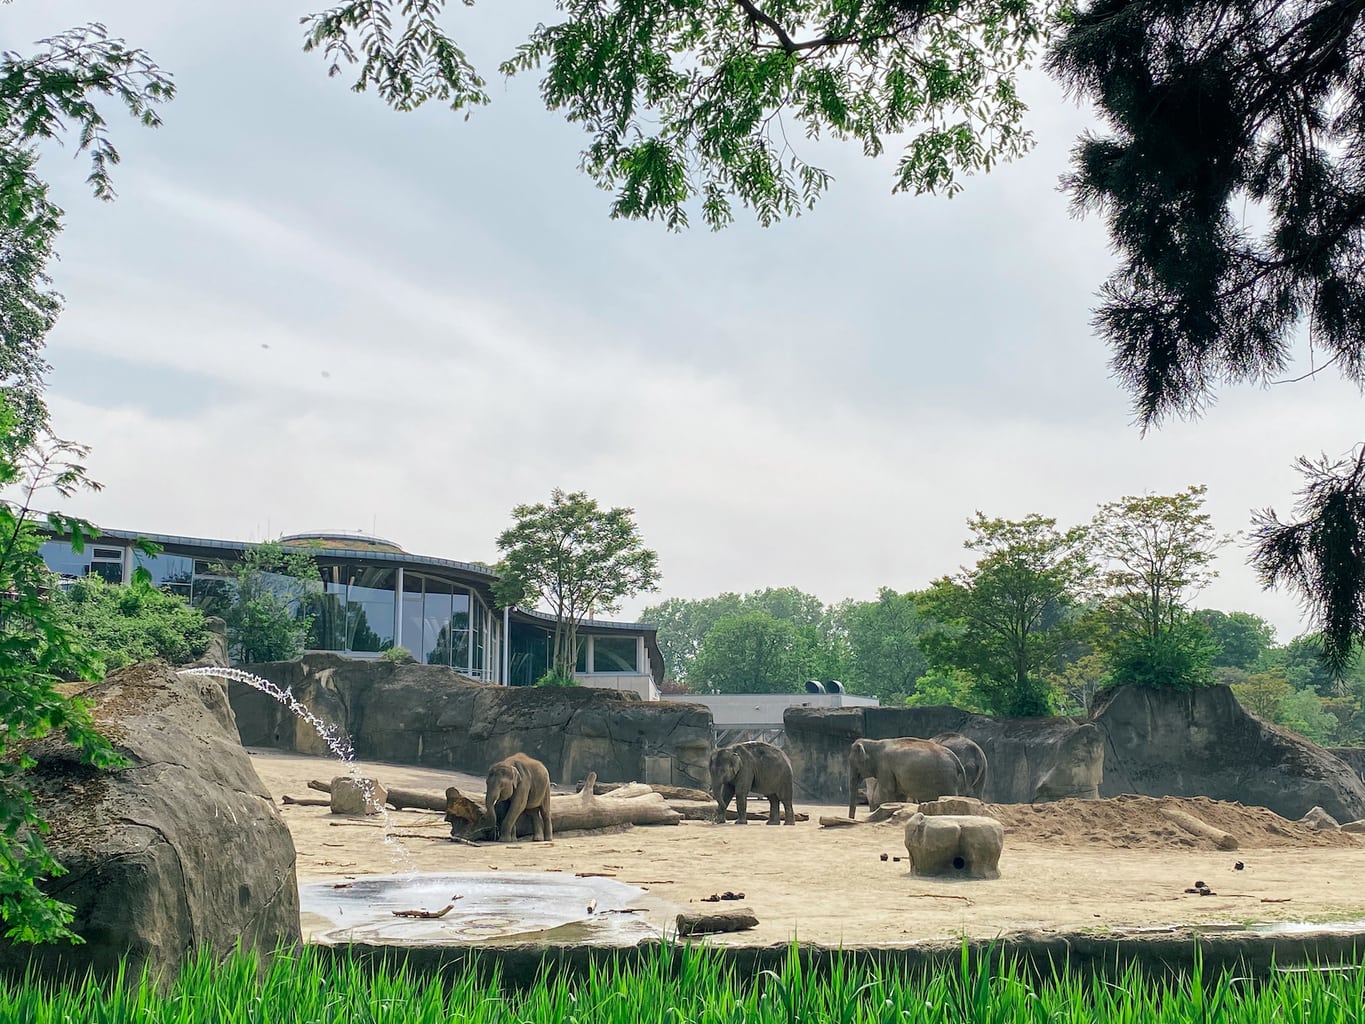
{"x":581,"y":665}
{"x":107,"y":554}
{"x":172,"y":573}
{"x":615,"y":654}
{"x":63,"y":561}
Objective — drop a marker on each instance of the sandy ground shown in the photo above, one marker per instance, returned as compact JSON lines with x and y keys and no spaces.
{"x":1093,"y":867}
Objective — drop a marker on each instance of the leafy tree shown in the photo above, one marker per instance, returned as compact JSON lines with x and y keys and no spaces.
{"x":1242,"y":639}
{"x":945,"y":687}
{"x":1156,"y":552}
{"x":884,"y":656}
{"x":698,"y":101}
{"x":1178,"y":657}
{"x":1076,"y":682}
{"x":124,"y":623}
{"x":37,"y":647}
{"x":682,"y":626}
{"x":1217,"y":110}
{"x":1007,"y":618}
{"x":266,"y":615}
{"x":755,"y":653}
{"x":1322,"y":556}
{"x":576,"y":558}
{"x":1261,"y":693}
{"x":39,"y":96}
{"x":1302,"y":662}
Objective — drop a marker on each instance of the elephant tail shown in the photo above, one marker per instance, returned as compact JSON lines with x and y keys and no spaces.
{"x":964,"y":787}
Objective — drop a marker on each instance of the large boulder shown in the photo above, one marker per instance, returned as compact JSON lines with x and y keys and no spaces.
{"x":182,"y":851}
{"x":1203,"y":743}
{"x":1353,"y":756}
{"x":429,"y":715}
{"x":1028,"y":758}
{"x":954,"y":845}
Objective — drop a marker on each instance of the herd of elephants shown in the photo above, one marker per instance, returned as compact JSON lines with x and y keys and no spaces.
{"x":899,"y":769}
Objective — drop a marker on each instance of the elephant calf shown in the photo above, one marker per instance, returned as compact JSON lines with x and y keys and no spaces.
{"x":521,"y":784}
{"x":753,"y":767}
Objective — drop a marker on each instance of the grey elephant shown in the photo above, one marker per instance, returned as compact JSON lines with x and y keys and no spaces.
{"x":905,"y":769}
{"x":520,"y":784}
{"x":973,"y":760}
{"x":753,"y":767}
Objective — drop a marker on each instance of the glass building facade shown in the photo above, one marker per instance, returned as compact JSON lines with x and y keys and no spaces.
{"x":370,"y":596}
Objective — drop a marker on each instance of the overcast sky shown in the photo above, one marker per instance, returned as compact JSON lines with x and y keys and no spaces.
{"x":305,"y":311}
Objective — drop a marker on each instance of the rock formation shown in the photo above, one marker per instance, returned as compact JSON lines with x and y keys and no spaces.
{"x":954,"y":845}
{"x":429,"y":715}
{"x":1058,"y":756}
{"x":1203,"y":743}
{"x":178,"y":852}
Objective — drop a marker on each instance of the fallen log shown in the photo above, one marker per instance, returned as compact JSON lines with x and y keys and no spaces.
{"x":838,"y":821}
{"x":401,"y":798}
{"x":1202,"y":829}
{"x":709,"y":924}
{"x":568,"y":813}
{"x":305,"y":801}
{"x":667,"y":792}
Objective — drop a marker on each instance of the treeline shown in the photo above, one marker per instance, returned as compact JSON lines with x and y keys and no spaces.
{"x":1043,"y":620}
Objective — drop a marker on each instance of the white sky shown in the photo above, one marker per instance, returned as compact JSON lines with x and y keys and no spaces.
{"x":306,"y":312}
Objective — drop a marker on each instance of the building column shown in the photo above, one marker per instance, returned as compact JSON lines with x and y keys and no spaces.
{"x":506,"y":647}
{"x":398,"y":608}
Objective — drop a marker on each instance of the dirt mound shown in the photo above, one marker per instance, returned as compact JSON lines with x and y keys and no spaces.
{"x":1136,"y":822}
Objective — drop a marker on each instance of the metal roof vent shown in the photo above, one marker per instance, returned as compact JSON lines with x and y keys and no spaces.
{"x":814,"y":686}
{"x":834,"y":686}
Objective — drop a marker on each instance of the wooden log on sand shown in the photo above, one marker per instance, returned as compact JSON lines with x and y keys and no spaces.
{"x":1202,"y":829}
{"x":570,"y":813}
{"x":403,"y":798}
{"x":398,"y":799}
{"x":667,"y":792}
{"x":710,"y":924}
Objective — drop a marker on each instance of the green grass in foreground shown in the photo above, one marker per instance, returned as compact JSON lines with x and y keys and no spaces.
{"x":696,"y":986}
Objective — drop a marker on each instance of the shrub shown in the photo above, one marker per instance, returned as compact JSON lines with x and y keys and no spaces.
{"x":399,"y":656}
{"x":556,"y":679}
{"x":125,"y":623}
{"x":1179,"y":658}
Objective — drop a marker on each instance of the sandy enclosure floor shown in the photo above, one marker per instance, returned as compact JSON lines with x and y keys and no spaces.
{"x":830,"y":885}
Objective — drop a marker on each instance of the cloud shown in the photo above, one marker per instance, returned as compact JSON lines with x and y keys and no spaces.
{"x":307,"y":312}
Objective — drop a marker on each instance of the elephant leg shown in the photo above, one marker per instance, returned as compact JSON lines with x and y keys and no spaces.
{"x":774,"y":813}
{"x":514,"y":811}
{"x":537,"y":824}
{"x":743,"y":783}
{"x":878,"y":795}
{"x":789,"y":811}
{"x":727,"y":793}
{"x":544,"y":813}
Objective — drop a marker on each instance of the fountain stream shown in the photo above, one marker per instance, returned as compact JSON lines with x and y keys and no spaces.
{"x":338,"y":743}
{"x":491,"y":906}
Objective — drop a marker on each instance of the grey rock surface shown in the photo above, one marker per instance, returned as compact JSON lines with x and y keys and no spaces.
{"x":434,"y":716}
{"x":180,"y":851}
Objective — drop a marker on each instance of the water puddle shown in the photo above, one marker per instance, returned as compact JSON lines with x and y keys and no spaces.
{"x":501,"y":905}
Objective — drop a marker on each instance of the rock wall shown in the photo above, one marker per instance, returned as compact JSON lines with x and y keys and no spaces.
{"x":178,"y":852}
{"x":817,"y":742}
{"x":1203,"y":743}
{"x":428,"y":715}
{"x":1146,"y":742}
{"x":1353,"y":756}
{"x":1020,"y":752}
